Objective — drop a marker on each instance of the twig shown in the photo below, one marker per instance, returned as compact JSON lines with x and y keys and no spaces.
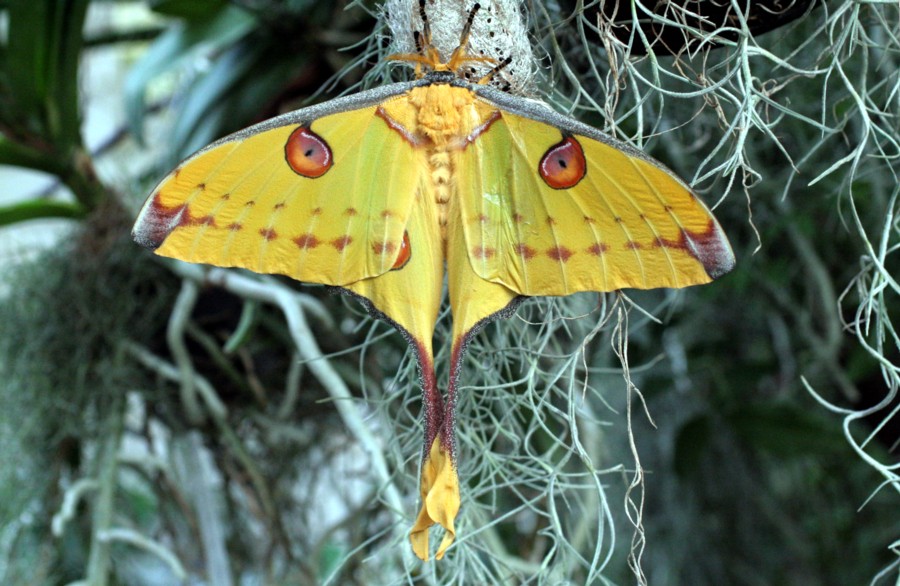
{"x":132,"y":537}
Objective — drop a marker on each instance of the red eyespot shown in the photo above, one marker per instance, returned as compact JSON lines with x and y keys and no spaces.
{"x":307,"y":153}
{"x":405,"y":253}
{"x":563,"y":166}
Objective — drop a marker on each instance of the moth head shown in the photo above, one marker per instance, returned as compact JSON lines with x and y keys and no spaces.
{"x":428,"y":59}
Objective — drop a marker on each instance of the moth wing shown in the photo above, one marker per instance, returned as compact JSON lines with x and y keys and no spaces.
{"x":552,"y":207}
{"x":322,"y":195}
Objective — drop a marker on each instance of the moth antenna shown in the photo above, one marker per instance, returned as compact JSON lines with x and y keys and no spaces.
{"x":426,"y":26}
{"x":495,"y":70}
{"x":464,"y":37}
{"x":427,"y":55}
{"x":460,"y":56}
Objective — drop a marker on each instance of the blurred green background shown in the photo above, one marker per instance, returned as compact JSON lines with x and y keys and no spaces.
{"x":160,"y":426}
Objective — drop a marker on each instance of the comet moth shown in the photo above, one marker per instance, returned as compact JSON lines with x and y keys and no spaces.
{"x":385,"y":192}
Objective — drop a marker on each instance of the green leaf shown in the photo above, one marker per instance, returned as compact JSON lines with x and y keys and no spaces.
{"x":40,"y":208}
{"x":177,"y":47}
{"x":17,"y":155}
{"x":229,"y":96}
{"x":68,"y":27}
{"x":75,"y":170}
{"x":27,"y":57}
{"x":207,"y":93}
{"x":41,"y":65}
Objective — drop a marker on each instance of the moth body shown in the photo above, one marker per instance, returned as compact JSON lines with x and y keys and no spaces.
{"x":442,"y":119}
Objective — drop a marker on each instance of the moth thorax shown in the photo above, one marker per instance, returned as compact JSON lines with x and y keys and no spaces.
{"x":439,"y":111}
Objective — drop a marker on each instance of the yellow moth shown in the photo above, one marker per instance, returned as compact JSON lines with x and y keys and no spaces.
{"x":384,"y":192}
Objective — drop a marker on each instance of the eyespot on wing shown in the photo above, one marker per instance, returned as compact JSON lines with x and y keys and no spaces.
{"x":563,"y":165}
{"x":307,"y":153}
